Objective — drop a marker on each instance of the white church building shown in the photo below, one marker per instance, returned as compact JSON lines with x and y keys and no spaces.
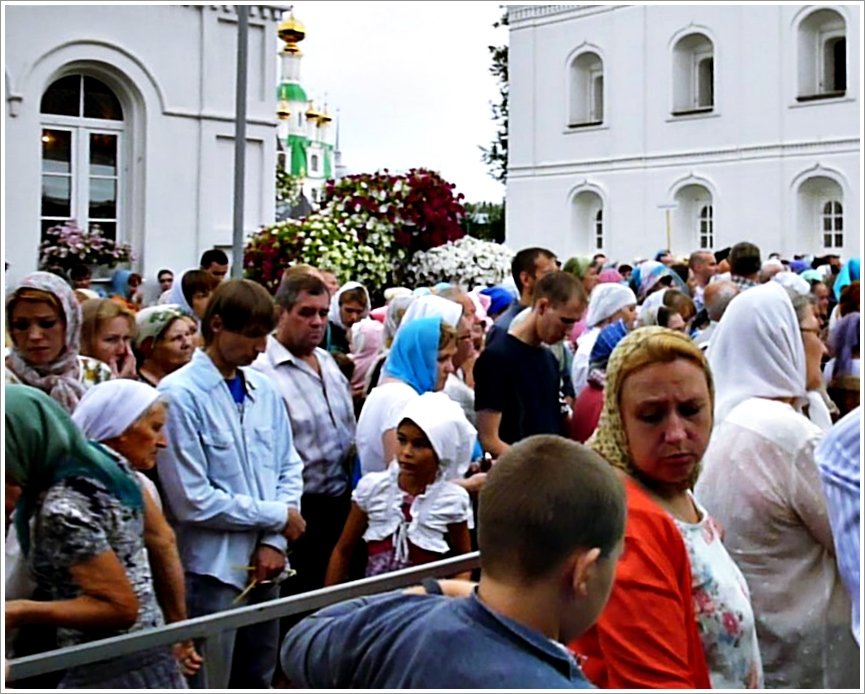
{"x":636,"y":128}
{"x":123,"y":116}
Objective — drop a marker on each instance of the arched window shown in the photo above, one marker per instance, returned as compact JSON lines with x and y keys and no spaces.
{"x":586,"y":83}
{"x":706,"y":228}
{"x":82,"y":147}
{"x":822,"y":45}
{"x":313,"y":164}
{"x":693,"y":217}
{"x":820,"y":213}
{"x":587,"y":221}
{"x":693,"y":75}
{"x":833,"y":224}
{"x":599,"y":229}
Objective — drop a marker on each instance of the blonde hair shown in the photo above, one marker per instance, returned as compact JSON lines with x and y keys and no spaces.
{"x":447,"y":336}
{"x":641,"y":348}
{"x":97,"y":312}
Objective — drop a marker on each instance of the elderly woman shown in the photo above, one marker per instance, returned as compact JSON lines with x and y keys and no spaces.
{"x":107,"y":330}
{"x":418,"y":362}
{"x":165,"y":340}
{"x":85,"y":547}
{"x":43,"y":320}
{"x":762,"y":483}
{"x":607,"y":304}
{"x":679,"y":615}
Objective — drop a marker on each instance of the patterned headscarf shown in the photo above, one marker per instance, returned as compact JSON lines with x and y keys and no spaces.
{"x":43,"y":446}
{"x":640,"y":348}
{"x":154,"y":320}
{"x":62,"y":378}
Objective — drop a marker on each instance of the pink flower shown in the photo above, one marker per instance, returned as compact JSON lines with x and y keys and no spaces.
{"x":731,"y":623}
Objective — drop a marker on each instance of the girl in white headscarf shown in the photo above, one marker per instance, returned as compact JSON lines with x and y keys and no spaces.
{"x":411,"y":513}
{"x":608,"y":303}
{"x":760,"y":480}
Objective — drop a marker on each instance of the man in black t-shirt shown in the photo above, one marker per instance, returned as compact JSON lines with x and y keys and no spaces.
{"x":517,"y":378}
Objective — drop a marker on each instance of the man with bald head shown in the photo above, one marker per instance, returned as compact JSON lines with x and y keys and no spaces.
{"x":702,"y":266}
{"x":716,"y":297}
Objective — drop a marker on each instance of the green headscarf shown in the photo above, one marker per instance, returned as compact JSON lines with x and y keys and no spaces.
{"x":43,"y":446}
{"x":578,"y":266}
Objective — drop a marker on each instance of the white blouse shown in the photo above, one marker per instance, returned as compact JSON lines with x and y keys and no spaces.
{"x":442,"y":504}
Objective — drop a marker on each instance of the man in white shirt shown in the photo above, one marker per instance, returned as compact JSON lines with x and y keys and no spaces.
{"x":318,"y":399}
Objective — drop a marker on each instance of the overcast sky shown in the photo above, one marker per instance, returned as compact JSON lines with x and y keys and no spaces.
{"x":411,"y":81}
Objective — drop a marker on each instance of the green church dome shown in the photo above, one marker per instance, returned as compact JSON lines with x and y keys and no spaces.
{"x":291,"y":91}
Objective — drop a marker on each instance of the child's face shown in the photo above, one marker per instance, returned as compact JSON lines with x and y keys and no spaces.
{"x":417,"y":460}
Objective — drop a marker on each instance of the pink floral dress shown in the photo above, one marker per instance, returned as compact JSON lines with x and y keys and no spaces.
{"x":722,"y":605}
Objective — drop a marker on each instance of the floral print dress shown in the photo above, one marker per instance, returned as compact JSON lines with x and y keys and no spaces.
{"x":722,"y":605}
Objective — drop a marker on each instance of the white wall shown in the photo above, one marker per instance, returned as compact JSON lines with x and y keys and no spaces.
{"x":173,"y":67}
{"x":750,"y":151}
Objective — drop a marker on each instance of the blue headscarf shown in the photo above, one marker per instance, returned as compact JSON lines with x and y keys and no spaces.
{"x":849,"y":273}
{"x":413,"y":358}
{"x":120,"y":283}
{"x":500,"y":299}
{"x":798,"y":266}
{"x":812,"y":276}
{"x":606,"y":342}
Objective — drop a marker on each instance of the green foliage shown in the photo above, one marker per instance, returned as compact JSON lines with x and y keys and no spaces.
{"x":496,"y":156}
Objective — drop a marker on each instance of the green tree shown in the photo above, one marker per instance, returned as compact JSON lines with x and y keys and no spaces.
{"x":496,"y":155}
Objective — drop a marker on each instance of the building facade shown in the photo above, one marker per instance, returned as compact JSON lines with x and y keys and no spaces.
{"x":123,"y":117}
{"x":636,"y":128}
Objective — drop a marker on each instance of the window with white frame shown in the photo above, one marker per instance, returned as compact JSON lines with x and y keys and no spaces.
{"x":313,"y":163}
{"x":832,"y":222}
{"x":82,"y":144}
{"x":706,"y":227}
{"x":693,"y":75}
{"x":822,"y":56}
{"x":586,"y":85}
{"x":599,"y":229}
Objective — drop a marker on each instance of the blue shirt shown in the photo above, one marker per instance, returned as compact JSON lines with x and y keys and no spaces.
{"x":396,"y":641}
{"x":229,"y":473}
{"x":840,"y":471}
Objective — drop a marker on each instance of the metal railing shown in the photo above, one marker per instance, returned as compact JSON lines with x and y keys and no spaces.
{"x":211,"y":627}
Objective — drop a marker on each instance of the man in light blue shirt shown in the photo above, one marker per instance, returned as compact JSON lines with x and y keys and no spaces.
{"x":840,"y":470}
{"x":231,"y":478}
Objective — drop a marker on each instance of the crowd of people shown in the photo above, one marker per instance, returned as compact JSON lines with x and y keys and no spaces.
{"x":658,"y":461}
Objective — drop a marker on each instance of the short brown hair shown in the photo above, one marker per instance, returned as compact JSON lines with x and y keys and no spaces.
{"x":356,"y":295}
{"x":545,"y":498}
{"x":94,"y":314}
{"x":447,"y":336}
{"x":197,"y":281}
{"x":244,"y":307}
{"x":294,"y":283}
{"x":559,"y":287}
{"x":681,"y":303}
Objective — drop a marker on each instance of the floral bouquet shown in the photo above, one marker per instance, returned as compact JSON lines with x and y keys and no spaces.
{"x":468,"y":262}
{"x":66,"y":245}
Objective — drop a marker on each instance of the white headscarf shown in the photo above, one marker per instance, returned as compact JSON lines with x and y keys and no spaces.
{"x":430,"y":305}
{"x":648,"y":314}
{"x":445,"y":425}
{"x":757,"y":350}
{"x":792,"y":281}
{"x":110,"y":408}
{"x":606,"y":299}
{"x":333,"y":315}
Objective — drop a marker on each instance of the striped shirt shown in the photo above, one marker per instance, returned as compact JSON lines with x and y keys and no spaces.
{"x":838,"y":460}
{"x":321,"y":411}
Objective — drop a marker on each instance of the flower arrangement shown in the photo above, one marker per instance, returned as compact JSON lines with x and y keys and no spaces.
{"x":367,"y":228}
{"x":353,"y":248}
{"x":468,"y":262}
{"x":420,"y":205}
{"x":66,"y":245}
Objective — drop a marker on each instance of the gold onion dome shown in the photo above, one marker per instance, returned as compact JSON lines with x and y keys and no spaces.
{"x":311,"y":113}
{"x":291,"y":31}
{"x":324,"y":118}
{"x":282,"y":110}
